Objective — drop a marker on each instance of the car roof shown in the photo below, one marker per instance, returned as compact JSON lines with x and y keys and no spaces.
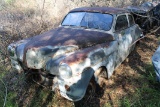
{"x":110,"y":10}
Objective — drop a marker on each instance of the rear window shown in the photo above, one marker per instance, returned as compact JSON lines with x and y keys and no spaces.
{"x":121,"y":23}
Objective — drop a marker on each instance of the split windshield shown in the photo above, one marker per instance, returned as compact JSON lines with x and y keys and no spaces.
{"x":89,"y":20}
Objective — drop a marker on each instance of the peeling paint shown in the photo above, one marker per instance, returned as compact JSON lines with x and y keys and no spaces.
{"x":82,"y":51}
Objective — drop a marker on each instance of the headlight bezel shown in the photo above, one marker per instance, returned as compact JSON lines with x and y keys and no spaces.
{"x":65,"y":71}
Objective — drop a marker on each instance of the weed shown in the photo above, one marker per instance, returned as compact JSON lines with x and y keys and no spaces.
{"x":147,"y":95}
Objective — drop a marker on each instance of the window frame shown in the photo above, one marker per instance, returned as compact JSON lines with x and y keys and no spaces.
{"x":129,"y":20}
{"x":92,"y":12}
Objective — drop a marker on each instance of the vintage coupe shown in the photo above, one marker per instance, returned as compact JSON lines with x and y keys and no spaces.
{"x":90,"y":41}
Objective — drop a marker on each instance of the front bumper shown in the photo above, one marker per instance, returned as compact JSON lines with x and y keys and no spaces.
{"x":72,"y":89}
{"x":42,"y":78}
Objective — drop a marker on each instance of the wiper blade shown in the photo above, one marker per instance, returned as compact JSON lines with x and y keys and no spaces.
{"x":68,"y":25}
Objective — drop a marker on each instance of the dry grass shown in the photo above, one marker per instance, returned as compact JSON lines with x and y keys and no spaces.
{"x":132,"y":84}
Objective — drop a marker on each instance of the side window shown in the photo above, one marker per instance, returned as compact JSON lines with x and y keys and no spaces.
{"x":131,"y":20}
{"x":121,"y":23}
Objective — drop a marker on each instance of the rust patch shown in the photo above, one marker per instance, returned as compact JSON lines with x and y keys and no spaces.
{"x":67,"y":88}
{"x":78,"y":56}
{"x":81,"y":55}
{"x":67,"y":36}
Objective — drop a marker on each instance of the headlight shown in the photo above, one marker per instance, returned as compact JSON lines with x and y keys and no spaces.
{"x":65,"y":71}
{"x":31,"y":54}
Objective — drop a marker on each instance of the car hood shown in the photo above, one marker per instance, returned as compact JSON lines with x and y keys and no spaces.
{"x":69,"y":36}
{"x":60,"y":42}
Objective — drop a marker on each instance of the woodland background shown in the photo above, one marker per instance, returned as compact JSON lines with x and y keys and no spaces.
{"x":133,"y":83}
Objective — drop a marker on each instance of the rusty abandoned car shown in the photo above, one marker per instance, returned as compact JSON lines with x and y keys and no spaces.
{"x":147,"y":16}
{"x":67,"y":57}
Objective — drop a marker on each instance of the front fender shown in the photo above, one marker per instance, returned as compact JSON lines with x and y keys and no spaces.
{"x":88,"y":57}
{"x":77,"y":90}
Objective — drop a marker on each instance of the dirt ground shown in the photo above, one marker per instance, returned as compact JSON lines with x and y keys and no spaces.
{"x":125,"y":81}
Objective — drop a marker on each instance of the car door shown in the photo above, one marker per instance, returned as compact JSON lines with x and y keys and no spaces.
{"x":123,"y":35}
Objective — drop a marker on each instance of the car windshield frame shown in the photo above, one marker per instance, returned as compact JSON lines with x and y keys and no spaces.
{"x":100,"y":21}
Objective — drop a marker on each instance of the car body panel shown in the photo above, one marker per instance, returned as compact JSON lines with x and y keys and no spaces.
{"x":82,"y":50}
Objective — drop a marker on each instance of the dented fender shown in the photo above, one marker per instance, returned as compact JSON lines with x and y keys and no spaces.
{"x":75,"y":88}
